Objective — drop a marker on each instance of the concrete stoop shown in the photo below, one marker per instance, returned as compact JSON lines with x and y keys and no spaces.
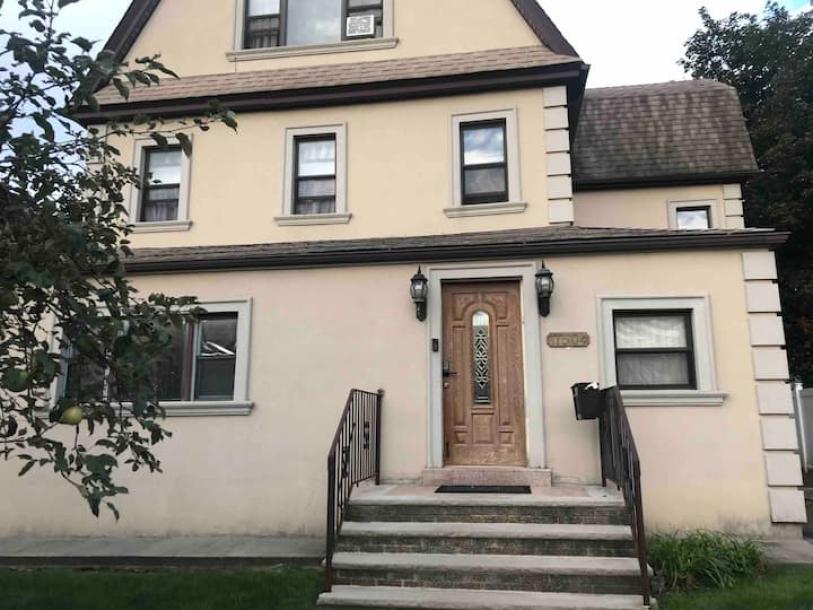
{"x":430,"y":551}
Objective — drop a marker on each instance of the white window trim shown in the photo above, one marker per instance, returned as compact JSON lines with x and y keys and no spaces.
{"x":707,"y":393}
{"x":239,"y":405}
{"x":238,"y":53}
{"x":515,"y":204}
{"x":182,"y":223}
{"x":674,"y":206}
{"x":340,"y":216}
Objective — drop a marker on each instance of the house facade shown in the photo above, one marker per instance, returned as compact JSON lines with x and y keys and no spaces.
{"x":382,"y":137}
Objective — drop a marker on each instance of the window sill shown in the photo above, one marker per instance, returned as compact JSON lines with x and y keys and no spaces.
{"x":485,"y":209}
{"x":346,"y":46}
{"x":672,"y":398}
{"x":204,"y":408}
{"x":303,"y":220}
{"x":168,"y":226}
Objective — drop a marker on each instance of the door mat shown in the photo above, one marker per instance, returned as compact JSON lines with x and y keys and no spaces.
{"x":483,"y":489}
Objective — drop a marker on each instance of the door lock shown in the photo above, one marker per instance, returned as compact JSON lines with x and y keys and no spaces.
{"x":447,"y":369}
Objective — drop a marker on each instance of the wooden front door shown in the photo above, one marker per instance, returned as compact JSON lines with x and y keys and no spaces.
{"x":483,"y":374}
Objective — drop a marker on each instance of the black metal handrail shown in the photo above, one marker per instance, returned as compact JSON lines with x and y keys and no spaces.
{"x":621,"y":465}
{"x":354,"y":457}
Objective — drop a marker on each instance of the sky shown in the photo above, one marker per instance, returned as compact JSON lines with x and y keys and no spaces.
{"x":625,"y":41}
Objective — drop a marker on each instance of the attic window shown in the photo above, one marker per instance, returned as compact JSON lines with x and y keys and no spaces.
{"x":280,"y":23}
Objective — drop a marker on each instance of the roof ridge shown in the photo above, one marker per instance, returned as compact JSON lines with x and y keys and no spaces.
{"x":659,"y":88}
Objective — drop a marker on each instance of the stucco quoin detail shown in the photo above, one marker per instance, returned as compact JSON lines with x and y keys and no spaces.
{"x":779,"y":441}
{"x":557,"y":154}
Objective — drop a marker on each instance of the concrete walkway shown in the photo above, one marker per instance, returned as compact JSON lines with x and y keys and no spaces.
{"x":167,"y":551}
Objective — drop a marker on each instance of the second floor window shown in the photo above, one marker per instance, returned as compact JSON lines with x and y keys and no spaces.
{"x":161,"y":191}
{"x":276,"y":23}
{"x":693,"y":218}
{"x":484,"y":155}
{"x":315,"y":175}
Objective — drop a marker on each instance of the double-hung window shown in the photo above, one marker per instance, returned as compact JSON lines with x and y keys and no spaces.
{"x":654,"y":350}
{"x":278,"y":23}
{"x":315,"y":174}
{"x":484,"y":167}
{"x":161,"y":190}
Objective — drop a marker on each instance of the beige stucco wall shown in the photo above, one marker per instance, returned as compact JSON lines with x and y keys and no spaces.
{"x":645,"y":207}
{"x":422,"y":27}
{"x":400,"y":172}
{"x":316,"y":333}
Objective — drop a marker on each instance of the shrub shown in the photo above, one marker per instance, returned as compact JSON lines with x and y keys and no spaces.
{"x":694,"y":560}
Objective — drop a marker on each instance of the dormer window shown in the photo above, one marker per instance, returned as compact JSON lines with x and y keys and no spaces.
{"x":280,"y":23}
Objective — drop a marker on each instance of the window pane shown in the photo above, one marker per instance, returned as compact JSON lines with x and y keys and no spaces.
{"x":481,"y":349}
{"x":262,"y":32}
{"x":315,"y":206}
{"x":218,"y":336}
{"x":215,"y":379}
{"x":642,"y":332}
{"x":314,"y":21}
{"x":160,"y":204}
{"x":84,"y":380}
{"x":317,"y":188}
{"x":317,"y":157}
{"x":693,"y":219}
{"x":164,"y":166}
{"x":363,"y":3}
{"x":263,"y":7}
{"x":172,"y":366}
{"x":653,"y":369}
{"x":484,"y":181}
{"x":484,"y":144}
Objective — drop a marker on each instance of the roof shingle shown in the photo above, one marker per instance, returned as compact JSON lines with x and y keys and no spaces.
{"x":325,"y":76}
{"x":677,"y":130}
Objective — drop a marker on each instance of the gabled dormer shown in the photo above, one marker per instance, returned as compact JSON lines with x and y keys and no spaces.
{"x":241,"y":35}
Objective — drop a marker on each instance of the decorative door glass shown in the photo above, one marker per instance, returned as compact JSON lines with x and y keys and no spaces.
{"x":482,"y":357}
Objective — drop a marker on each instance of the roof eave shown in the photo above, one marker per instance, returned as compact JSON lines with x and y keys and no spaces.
{"x":402,"y":251}
{"x":636,"y":182}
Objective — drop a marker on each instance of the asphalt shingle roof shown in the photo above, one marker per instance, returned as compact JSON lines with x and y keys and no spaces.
{"x":680,"y":130}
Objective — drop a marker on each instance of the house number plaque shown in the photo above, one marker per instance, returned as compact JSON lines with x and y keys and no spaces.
{"x":568,"y":340}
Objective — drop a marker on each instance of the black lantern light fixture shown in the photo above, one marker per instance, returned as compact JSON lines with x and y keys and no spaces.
{"x":419,"y":291}
{"x":544,"y":289}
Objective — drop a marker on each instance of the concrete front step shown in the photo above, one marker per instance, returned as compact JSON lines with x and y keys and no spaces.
{"x":477,"y":508}
{"x":486,"y":475}
{"x":555,"y":574}
{"x":487,"y":538}
{"x":357,"y":598}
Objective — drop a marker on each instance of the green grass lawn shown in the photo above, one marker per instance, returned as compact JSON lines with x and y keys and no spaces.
{"x":782,"y":589}
{"x":283,"y":589}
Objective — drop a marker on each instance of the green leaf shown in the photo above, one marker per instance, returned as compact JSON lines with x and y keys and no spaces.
{"x":26,"y":468}
{"x":159,"y":139}
{"x":186,"y":143}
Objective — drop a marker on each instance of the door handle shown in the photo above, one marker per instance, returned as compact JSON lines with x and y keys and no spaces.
{"x":447,"y":369}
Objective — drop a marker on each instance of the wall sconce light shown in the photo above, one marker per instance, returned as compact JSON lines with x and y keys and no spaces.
{"x":544,"y":289}
{"x":419,"y":291}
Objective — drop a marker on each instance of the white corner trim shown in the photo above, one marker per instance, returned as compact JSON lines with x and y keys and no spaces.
{"x":707,"y":392}
{"x":345,"y":46}
{"x":140,"y":147}
{"x":485,"y":209}
{"x":340,"y":132}
{"x":672,"y":398}
{"x":168,"y":226}
{"x":532,"y":352}
{"x":304,"y":220}
{"x":512,"y":148}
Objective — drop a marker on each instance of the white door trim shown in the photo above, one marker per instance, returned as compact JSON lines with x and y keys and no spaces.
{"x":532,"y":352}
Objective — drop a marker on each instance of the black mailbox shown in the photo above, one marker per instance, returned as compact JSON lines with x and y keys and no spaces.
{"x":588,"y":400}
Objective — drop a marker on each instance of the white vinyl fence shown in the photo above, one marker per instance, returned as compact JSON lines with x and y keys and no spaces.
{"x":803,"y":399}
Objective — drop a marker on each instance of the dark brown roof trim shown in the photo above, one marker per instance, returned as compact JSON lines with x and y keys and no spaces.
{"x":664,"y":180}
{"x":127,"y":31}
{"x":544,"y":28}
{"x":524,"y":78}
{"x":468,"y":247}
